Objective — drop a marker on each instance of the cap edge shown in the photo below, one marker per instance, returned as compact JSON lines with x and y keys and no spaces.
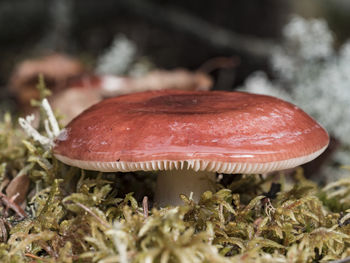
{"x":196,"y":165}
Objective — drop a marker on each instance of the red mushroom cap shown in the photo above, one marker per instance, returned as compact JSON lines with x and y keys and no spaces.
{"x":227,"y":132}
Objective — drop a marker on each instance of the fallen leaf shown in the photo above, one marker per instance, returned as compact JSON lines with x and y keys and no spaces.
{"x":18,"y":186}
{"x":56,"y":68}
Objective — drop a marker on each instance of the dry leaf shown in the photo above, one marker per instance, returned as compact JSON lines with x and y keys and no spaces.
{"x":18,"y":187}
{"x":56,"y":68}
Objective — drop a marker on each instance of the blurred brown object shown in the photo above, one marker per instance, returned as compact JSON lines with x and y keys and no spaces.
{"x":56,"y":68}
{"x":17,"y":189}
{"x":179,"y":79}
{"x":71,"y":102}
{"x":219,"y":63}
{"x":313,"y":168}
{"x":86,"y":90}
{"x":80,"y":93}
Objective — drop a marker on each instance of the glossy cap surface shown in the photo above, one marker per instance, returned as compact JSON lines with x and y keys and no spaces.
{"x":226,"y":132}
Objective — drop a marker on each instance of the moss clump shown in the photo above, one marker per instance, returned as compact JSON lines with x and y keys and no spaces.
{"x":79,"y":216}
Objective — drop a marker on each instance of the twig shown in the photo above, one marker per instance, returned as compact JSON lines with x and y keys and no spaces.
{"x":221,"y":215}
{"x":13,"y":198}
{"x":34,"y":256}
{"x":219,"y":63}
{"x":91,"y":213}
{"x":145,"y":206}
{"x":344,"y":260}
{"x":4,"y":229}
{"x":48,"y":249}
{"x":8,"y":202}
{"x":213,"y":35}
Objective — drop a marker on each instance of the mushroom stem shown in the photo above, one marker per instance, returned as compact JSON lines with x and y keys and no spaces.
{"x":170,"y":184}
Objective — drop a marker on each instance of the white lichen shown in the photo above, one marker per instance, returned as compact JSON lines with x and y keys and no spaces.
{"x":26,"y":124}
{"x":51,"y":126}
{"x":118,"y":58}
{"x":259,"y":83}
{"x":311,"y":75}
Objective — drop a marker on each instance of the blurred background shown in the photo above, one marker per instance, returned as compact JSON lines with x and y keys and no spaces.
{"x":88,"y":50}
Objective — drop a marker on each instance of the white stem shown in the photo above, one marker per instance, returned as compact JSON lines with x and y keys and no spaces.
{"x":170,"y":184}
{"x":51,"y":117}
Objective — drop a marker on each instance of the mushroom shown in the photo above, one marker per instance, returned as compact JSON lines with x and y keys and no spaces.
{"x":189,"y":136}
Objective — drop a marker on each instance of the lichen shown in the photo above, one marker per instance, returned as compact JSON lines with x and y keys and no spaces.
{"x":310,"y":71}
